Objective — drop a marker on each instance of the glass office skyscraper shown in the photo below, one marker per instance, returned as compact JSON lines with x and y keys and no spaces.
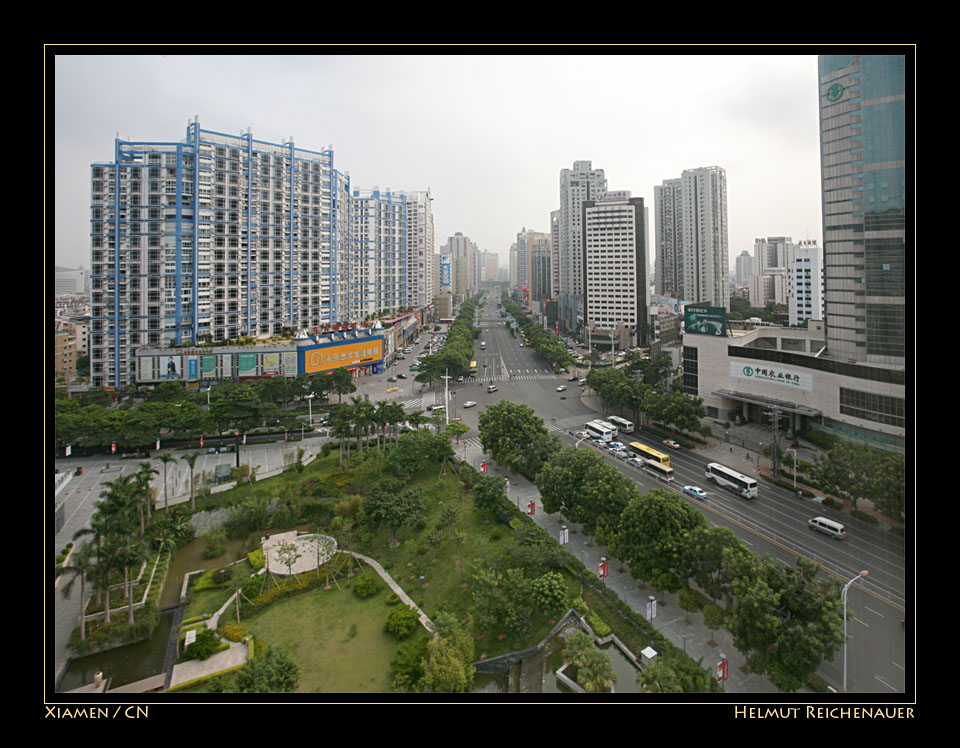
{"x":863,"y":173}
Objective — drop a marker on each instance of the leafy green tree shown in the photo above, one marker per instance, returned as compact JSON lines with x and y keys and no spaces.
{"x":490,"y":494}
{"x":853,"y":472}
{"x":390,"y":503}
{"x":515,"y":437}
{"x":275,"y":672}
{"x":341,"y":383}
{"x":235,"y":407}
{"x":402,"y":621}
{"x":789,"y":619}
{"x":653,"y":532}
{"x":586,"y":489}
{"x":408,"y":662}
{"x":550,"y":593}
{"x":447,"y":664}
{"x":705,"y":561}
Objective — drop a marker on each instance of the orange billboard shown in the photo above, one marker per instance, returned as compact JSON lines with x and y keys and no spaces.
{"x":337,"y":355}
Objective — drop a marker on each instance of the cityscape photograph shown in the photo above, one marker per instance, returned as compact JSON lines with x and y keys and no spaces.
{"x":480,"y":377}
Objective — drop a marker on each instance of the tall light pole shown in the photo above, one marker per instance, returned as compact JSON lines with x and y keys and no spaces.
{"x":446,"y":390}
{"x":790,"y":449}
{"x":843,"y":600}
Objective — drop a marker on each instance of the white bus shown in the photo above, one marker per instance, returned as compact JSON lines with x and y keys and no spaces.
{"x":736,"y":482}
{"x":622,"y":424}
{"x":601,"y":430}
{"x":663,"y":472}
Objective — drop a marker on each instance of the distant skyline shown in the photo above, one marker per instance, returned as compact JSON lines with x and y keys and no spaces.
{"x":486,"y":134}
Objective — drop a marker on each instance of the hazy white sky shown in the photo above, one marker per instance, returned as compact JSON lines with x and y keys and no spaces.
{"x":487,"y":134}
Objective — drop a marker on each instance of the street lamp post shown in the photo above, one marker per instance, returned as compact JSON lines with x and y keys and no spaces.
{"x":790,"y":449}
{"x":446,"y":391}
{"x":843,"y":599}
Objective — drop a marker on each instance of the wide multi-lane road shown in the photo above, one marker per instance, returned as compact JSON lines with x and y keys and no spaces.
{"x":775,"y":523}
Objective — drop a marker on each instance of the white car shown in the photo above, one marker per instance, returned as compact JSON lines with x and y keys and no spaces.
{"x":561,"y":388}
{"x":637,"y":461}
{"x":695,"y":491}
{"x":616,"y":446}
{"x":469,"y":404}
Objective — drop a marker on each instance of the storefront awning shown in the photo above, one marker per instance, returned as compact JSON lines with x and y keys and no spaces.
{"x":769,"y":402}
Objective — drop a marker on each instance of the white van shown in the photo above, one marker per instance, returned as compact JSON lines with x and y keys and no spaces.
{"x":828,"y":526}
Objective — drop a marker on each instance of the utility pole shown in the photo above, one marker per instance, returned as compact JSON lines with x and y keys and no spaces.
{"x":446,"y":390}
{"x":775,"y":449}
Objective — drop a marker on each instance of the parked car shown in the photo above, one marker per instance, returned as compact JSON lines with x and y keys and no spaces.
{"x":695,"y":491}
{"x":391,"y":379}
{"x":671,"y":443}
{"x":401,"y":376}
{"x":469,"y":404}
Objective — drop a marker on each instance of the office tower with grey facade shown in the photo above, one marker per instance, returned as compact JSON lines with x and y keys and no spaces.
{"x":863,"y":172}
{"x":580,"y":183}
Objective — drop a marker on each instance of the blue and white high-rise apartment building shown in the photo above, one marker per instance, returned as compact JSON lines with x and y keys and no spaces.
{"x":210,"y":238}
{"x":378,"y":266}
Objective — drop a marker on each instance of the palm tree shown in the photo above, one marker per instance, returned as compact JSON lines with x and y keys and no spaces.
{"x":166,"y":458}
{"x":191,"y":459}
{"x":595,"y":673}
{"x":397,"y":416}
{"x":81,"y":566}
{"x":144,"y":476}
{"x":130,"y":554}
{"x":98,"y":530}
{"x":340,"y":427}
{"x":381,"y":417}
{"x":362,"y":412}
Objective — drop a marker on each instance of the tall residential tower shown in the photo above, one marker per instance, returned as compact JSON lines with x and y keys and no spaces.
{"x":692,"y":237}
{"x":210,"y":238}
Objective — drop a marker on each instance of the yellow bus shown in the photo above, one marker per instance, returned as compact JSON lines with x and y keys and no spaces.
{"x":473,"y":368}
{"x":649,"y":454}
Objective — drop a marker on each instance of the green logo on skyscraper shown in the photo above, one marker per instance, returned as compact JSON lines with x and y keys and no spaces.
{"x":834,"y":92}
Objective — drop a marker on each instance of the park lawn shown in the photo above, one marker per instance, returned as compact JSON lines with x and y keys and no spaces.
{"x":336,"y":639}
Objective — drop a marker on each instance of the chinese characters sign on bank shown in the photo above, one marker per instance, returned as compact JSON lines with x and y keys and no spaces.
{"x":763,"y":372}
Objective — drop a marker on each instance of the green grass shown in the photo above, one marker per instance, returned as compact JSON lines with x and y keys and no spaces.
{"x":336,"y":639}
